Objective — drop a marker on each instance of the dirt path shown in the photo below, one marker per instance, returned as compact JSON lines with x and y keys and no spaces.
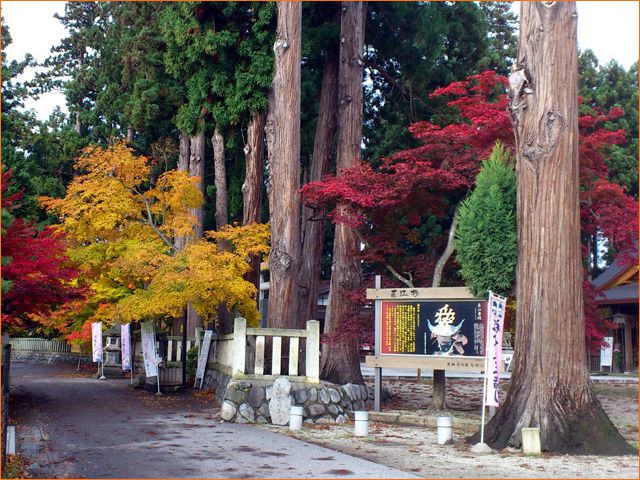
{"x":415,"y":449}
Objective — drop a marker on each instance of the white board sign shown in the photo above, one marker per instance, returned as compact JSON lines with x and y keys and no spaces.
{"x":606,"y":353}
{"x":204,"y":355}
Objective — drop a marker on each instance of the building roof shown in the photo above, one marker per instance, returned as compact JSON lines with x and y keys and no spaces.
{"x":616,"y":273}
{"x":627,"y":293}
{"x":619,"y":282}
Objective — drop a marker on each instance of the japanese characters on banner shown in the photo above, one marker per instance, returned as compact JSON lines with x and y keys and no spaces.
{"x":149,"y":349}
{"x":125,"y":345}
{"x":96,"y":341}
{"x":495,"y":327}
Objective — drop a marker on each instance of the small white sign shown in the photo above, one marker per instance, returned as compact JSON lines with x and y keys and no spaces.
{"x":204,"y":355}
{"x":606,"y":353}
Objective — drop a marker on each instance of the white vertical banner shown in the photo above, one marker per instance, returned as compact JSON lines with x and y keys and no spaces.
{"x":125,"y":345}
{"x":606,"y":353}
{"x":96,"y":341}
{"x":149,"y":349}
{"x":497,"y":305}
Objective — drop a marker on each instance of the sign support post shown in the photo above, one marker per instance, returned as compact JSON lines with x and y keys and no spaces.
{"x":377,"y":371}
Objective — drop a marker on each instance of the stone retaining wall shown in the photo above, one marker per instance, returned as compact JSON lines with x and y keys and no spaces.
{"x":48,"y":358}
{"x":265,"y":401}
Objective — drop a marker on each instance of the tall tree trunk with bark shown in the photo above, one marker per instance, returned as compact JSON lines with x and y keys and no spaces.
{"x":340,"y":358}
{"x":220,"y":179}
{"x":323,"y":147}
{"x":196,"y":169}
{"x":222,"y":216}
{"x":252,"y":186}
{"x":550,"y":386}
{"x":283,"y":133}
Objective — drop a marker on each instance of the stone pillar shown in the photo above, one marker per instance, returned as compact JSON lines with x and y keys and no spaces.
{"x":313,"y":351}
{"x":239,"y":346}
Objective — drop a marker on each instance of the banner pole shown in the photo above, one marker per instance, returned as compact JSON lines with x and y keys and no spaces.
{"x":487,"y":346}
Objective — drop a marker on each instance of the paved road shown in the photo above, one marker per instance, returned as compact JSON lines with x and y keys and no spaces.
{"x":73,"y":426}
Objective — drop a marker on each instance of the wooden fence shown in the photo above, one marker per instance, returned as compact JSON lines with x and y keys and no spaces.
{"x":231,"y":351}
{"x":39,"y":345}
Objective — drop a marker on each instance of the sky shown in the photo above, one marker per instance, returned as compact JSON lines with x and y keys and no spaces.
{"x":608,"y":28}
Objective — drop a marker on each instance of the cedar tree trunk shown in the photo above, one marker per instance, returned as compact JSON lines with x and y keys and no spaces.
{"x":283,"y":134}
{"x":252,"y":186}
{"x":550,"y":386}
{"x":222,"y":217}
{"x":196,"y":169}
{"x":323,"y":147}
{"x":220,"y":179}
{"x":340,"y":361}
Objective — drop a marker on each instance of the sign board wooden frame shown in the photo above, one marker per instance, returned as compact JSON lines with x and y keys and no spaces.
{"x":416,"y":361}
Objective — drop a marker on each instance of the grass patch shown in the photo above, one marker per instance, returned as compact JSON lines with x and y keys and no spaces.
{"x":15,"y":467}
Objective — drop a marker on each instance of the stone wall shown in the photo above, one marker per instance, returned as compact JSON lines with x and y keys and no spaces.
{"x":266,"y":401}
{"x":52,"y":358}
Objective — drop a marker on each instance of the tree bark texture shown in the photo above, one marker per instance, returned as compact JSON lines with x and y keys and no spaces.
{"x":550,"y":386}
{"x":323,"y":147}
{"x":183,"y":166}
{"x":252,"y":186}
{"x":196,"y":169}
{"x":130,"y":135}
{"x":340,"y":358}
{"x":283,"y":130}
{"x":220,"y":179}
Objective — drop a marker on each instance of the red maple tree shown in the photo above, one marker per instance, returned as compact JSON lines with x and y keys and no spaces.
{"x":38,"y":269}
{"x":403,"y":206}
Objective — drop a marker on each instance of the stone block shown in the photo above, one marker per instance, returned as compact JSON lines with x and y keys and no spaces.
{"x":228,"y":411}
{"x":264,"y":410}
{"x":256,"y":396}
{"x":334,"y":395}
{"x":324,"y":396}
{"x":333,"y":410}
{"x":281,"y":401}
{"x":531,"y":441}
{"x":316,"y":409}
{"x":313,"y":394}
{"x":342,"y":419}
{"x":235,"y":394}
{"x":246,"y":414}
{"x":301,"y":396}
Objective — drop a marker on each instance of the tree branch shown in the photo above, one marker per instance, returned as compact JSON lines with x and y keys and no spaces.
{"x":451,"y":245}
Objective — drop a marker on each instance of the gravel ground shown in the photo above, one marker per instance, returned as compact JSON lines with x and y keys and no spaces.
{"x":414,"y":448}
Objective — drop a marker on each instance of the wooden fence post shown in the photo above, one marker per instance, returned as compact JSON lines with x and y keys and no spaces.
{"x":239,"y":346}
{"x":313,"y":351}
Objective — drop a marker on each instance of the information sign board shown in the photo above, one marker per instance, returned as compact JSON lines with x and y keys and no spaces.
{"x":449,"y":327}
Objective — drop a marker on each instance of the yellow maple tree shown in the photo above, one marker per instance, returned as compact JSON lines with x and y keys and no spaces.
{"x":123,"y":229}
